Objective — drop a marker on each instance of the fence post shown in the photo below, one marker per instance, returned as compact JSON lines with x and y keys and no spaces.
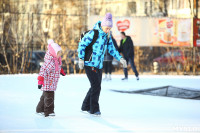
{"x":194,"y":61}
{"x":155,"y":67}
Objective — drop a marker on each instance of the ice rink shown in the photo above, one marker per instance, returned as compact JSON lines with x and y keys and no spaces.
{"x":121,"y":112}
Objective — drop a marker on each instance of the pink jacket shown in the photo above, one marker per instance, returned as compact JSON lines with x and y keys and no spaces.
{"x":50,"y":71}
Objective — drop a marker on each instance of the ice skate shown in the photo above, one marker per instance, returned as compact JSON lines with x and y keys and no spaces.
{"x":124,"y":79}
{"x":105,"y":79}
{"x":97,"y":114}
{"x":85,"y":112}
{"x":109,"y":78}
{"x":51,"y":115}
{"x":40,"y":113}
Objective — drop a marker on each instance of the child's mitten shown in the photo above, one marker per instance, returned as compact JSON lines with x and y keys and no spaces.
{"x":62,"y":72}
{"x":40,"y":82}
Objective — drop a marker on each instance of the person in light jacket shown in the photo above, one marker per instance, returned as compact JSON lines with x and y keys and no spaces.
{"x":94,"y":64}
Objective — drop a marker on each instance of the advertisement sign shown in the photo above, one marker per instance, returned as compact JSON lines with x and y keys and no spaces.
{"x":175,"y":32}
{"x":151,"y":31}
{"x":166,"y":31}
{"x":196,"y":30}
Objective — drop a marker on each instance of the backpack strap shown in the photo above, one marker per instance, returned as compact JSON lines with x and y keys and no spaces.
{"x":96,"y":34}
{"x":89,"y":49}
{"x":83,"y":34}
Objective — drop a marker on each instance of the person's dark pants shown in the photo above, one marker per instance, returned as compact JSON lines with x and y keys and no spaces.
{"x":108,"y":67}
{"x":46,"y":103}
{"x":131,"y":60}
{"x":91,"y":101}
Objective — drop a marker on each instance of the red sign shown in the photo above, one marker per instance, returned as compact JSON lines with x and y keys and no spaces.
{"x":196,"y":31}
{"x":123,"y":25}
{"x":169,"y":24}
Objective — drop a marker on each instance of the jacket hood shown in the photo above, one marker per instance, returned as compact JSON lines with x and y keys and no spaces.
{"x":53,"y":48}
{"x":97,"y":26}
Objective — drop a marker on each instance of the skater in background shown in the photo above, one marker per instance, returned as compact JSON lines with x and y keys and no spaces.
{"x":127,"y":48}
{"x":94,"y":63}
{"x":108,"y":61}
{"x":48,"y":79}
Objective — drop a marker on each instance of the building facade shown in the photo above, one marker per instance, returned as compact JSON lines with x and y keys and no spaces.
{"x":147,"y":8}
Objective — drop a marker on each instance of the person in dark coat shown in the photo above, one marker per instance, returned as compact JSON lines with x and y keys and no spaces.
{"x":127,"y":49}
{"x":108,"y":61}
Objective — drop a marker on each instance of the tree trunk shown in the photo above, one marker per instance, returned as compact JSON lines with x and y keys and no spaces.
{"x":6,"y":59}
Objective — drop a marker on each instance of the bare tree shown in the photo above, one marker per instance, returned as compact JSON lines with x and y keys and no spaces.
{"x":166,"y":3}
{"x":2,"y":43}
{"x":15,"y":41}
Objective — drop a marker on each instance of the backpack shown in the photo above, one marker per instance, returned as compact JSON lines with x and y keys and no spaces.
{"x":88,"y":49}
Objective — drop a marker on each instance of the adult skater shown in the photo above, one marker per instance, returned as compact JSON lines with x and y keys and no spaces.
{"x":127,"y":48}
{"x":108,"y":62}
{"x":93,"y":61}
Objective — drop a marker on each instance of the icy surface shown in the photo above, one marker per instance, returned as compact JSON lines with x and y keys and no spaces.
{"x":121,"y":113}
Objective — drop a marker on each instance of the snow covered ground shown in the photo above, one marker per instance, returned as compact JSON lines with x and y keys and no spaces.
{"x":128,"y":113}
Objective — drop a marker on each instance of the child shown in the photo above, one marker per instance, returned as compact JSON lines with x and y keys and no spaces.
{"x":48,"y":79}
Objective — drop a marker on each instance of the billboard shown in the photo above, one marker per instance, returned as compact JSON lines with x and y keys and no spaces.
{"x":151,"y":31}
{"x":175,"y":32}
{"x":196,"y":30}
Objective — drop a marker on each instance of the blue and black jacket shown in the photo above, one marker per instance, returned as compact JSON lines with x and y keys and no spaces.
{"x":99,"y":48}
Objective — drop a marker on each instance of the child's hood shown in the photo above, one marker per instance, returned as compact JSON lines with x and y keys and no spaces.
{"x":53,"y":48}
